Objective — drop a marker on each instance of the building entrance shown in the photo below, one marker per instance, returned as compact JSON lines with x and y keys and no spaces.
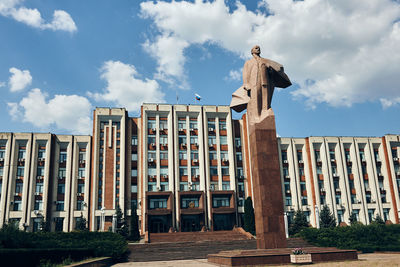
{"x":159,"y":224}
{"x":223,"y":221}
{"x":191,"y":223}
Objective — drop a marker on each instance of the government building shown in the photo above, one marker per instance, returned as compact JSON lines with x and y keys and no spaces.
{"x":186,"y":168}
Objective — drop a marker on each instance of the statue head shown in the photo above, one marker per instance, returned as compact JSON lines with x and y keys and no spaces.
{"x":256,"y":50}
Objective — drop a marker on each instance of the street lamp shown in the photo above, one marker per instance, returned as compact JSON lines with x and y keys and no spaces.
{"x":317,"y":215}
{"x":103,"y":218}
{"x":286,"y":224}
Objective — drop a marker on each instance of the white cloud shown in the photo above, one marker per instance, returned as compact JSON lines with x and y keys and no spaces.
{"x":234,"y":75}
{"x":19,"y":79}
{"x":67,"y":112}
{"x":32,"y":17}
{"x":2,"y":84}
{"x":125,"y":89}
{"x":387,"y":103}
{"x":338,"y":52}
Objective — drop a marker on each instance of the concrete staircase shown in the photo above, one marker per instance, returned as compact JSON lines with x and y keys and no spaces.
{"x":196,"y":245}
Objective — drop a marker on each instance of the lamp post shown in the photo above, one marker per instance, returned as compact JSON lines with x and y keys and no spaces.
{"x":103,"y":219}
{"x":114,"y":223}
{"x":286,"y":224}
{"x":317,"y":216}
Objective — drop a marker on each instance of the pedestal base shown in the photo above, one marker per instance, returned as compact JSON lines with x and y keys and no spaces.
{"x":278,"y":256}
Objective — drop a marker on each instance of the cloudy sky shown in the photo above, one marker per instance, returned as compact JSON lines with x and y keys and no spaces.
{"x":61,"y":59}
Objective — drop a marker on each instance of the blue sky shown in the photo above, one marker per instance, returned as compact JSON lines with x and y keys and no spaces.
{"x":343,"y":59}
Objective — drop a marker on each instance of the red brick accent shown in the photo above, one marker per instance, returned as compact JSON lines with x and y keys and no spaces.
{"x":109,"y":172}
{"x":311,"y":175}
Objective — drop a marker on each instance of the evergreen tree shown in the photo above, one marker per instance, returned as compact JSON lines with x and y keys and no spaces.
{"x":378,"y":220}
{"x":249,"y":221}
{"x":81,"y":224}
{"x":44,"y":226}
{"x":121,"y":227}
{"x":299,"y":222}
{"x":134,"y":231}
{"x":326,"y":218}
{"x":353,"y":218}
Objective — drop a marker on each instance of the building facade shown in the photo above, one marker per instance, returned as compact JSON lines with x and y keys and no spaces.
{"x":186,"y":168}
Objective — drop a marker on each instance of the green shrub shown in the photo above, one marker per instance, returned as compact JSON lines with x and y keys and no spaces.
{"x":366,"y":238}
{"x":249,"y":220}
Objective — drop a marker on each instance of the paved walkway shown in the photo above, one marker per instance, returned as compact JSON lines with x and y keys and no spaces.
{"x":365,"y":260}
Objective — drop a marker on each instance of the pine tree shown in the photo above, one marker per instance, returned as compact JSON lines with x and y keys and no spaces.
{"x":249,"y":221}
{"x":299,"y":222}
{"x":121,"y":227}
{"x":378,"y":220}
{"x":326,"y":218}
{"x":81,"y":224}
{"x":134,"y":231}
{"x":353,"y":218}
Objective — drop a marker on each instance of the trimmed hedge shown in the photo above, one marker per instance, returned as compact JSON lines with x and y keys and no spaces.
{"x":365,"y":238}
{"x":33,"y":257}
{"x":65,"y":245}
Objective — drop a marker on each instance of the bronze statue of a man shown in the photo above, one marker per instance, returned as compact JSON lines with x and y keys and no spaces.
{"x":260,"y":77}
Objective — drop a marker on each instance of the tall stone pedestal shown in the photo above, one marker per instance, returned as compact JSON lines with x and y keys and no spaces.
{"x":268,"y":199}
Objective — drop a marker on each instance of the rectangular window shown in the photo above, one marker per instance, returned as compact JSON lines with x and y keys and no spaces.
{"x":224,"y":156}
{"x":158,"y":203}
{"x":18,"y":188}
{"x":299,"y":155}
{"x":182,"y":140}
{"x":164,"y":186}
{"x":332,"y":154}
{"x":223,"y":140}
{"x":62,"y":173}
{"x":226,"y":186}
{"x":163,"y":155}
{"x":134,"y":141}
{"x":81,"y":172}
{"x":225,"y":170}
{"x":238,"y":142}
{"x":163,"y":140}
{"x":183,"y":186}
{"x":63,"y":156}
{"x":183,"y":171}
{"x":151,"y":140}
{"x":151,"y":124}
{"x":21,"y":153}
{"x":222,"y":125}
{"x":238,"y":156}
{"x":164,"y":170}
{"x":220,"y":202}
{"x":152,"y":171}
{"x":212,"y":140}
{"x":213,"y":155}
{"x":17,"y":205}
{"x":195,"y":171}
{"x":194,"y":155}
{"x":151,"y":186}
{"x":133,"y":188}
{"x":2,"y":153}
{"x":182,"y":124}
{"x":20,"y":171}
{"x":38,"y":204}
{"x":61,"y":189}
{"x":39,"y":188}
{"x":1,"y":171}
{"x":189,"y":202}
{"x":211,"y":125}
{"x":213,"y":171}
{"x":182,"y":154}
{"x":151,"y":155}
{"x":288,"y":201}
{"x":40,"y":171}
{"x":134,"y":172}
{"x":193,"y":125}
{"x":163,"y":124}
{"x":194,"y":140}
{"x":60,"y":206}
{"x":134,"y":157}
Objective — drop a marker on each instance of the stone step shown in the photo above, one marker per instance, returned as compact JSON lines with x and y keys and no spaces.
{"x":197,"y":236}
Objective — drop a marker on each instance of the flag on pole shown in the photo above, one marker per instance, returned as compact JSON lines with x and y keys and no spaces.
{"x":197,"y":97}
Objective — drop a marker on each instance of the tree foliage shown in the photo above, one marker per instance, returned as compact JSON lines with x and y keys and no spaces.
{"x":134,"y":234}
{"x":121,"y":226}
{"x":326,"y":218}
{"x":81,"y":224}
{"x":378,"y":220}
{"x":299,"y":222}
{"x":249,"y":220}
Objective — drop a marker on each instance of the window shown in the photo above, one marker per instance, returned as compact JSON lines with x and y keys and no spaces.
{"x":194,"y":155}
{"x":1,"y":171}
{"x":371,"y":214}
{"x":81,"y":188}
{"x":41,"y":153}
{"x":151,"y":124}
{"x":196,"y":186}
{"x":319,"y":170}
{"x":39,"y":188}
{"x":164,"y":186}
{"x":284,"y":155}
{"x":182,"y":140}
{"x":193,"y":125}
{"x":299,"y":155}
{"x":20,"y":171}
{"x":225,"y":170}
{"x":238,"y":142}
{"x":158,"y":203}
{"x":241,"y":187}
{"x":338,"y":199}
{"x":134,"y":172}
{"x":211,"y":125}
{"x":82,"y":155}
{"x":288,"y":201}
{"x":151,"y":139}
{"x":61,"y":189}
{"x":134,"y":140}
{"x":163,"y":140}
{"x":362,"y":155}
{"x":40,"y":171}
{"x":152,"y":171}
{"x":17,"y":205}
{"x":60,"y":206}
{"x":163,"y":155}
{"x":183,"y":186}
{"x":38,"y":204}
{"x":213,"y":155}
{"x":195,"y":171}
{"x":226,"y":186}
{"x":62,"y":173}
{"x":21,"y":153}
{"x":220,"y":202}
{"x":133,"y":204}
{"x":286,"y":184}
{"x":238,"y":156}
{"x":164,"y":170}
{"x":182,"y":124}
{"x":386,"y":214}
{"x":191,"y":202}
{"x":163,"y":124}
{"x":81,"y":172}
{"x":213,"y":186}
{"x":240,"y":172}
{"x":285,"y":171}
{"x":182,"y":154}
{"x":304,"y":200}
{"x":347,"y":154}
{"x":223,"y":140}
{"x":224,"y":156}
{"x":213,"y":171}
{"x":151,"y":155}
{"x":2,"y":153}
{"x":376,"y":154}
{"x":331,"y":153}
{"x":394,"y":152}
{"x":134,"y":157}
{"x":152,"y":186}
{"x":133,"y":188}
{"x":18,"y":188}
{"x":193,"y":140}
{"x":222,"y":124}
{"x":63,"y":156}
{"x":212,"y":140}
{"x":183,"y":171}
{"x":59,"y":224}
{"x":317,"y":155}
